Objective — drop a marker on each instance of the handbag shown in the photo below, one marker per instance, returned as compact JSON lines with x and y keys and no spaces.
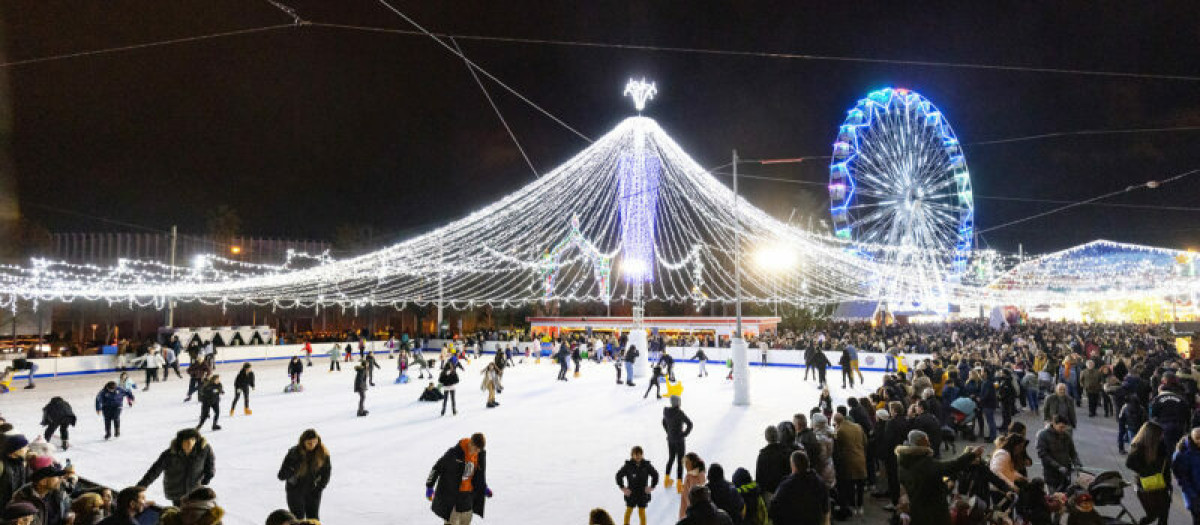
{"x":1153,"y":483}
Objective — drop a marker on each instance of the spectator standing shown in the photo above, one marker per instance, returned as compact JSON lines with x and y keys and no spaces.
{"x":802,"y":498}
{"x":1185,"y":464}
{"x":1056,"y":449}
{"x":1150,"y":459}
{"x":919,"y":472}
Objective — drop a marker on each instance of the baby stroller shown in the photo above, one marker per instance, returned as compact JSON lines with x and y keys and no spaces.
{"x":1107,"y":489}
{"x":962,"y":417}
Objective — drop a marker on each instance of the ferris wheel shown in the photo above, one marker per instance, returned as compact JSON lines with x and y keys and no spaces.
{"x":899,"y":188}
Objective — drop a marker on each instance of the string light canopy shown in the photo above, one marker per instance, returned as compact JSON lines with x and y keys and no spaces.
{"x":630,"y":219}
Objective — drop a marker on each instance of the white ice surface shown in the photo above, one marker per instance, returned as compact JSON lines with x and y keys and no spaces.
{"x":553,"y":447}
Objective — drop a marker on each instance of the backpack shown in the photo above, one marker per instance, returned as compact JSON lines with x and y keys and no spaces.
{"x":756,"y":510}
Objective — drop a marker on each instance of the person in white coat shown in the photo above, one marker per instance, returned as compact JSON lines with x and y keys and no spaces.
{"x":151,"y":362}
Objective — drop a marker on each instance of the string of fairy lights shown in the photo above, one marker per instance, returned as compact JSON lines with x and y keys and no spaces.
{"x":565,"y":237}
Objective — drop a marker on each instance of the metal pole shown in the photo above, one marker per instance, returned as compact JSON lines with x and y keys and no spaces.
{"x":737,"y":345}
{"x":171,"y":302}
{"x":438,"y":329}
{"x":737,"y":248}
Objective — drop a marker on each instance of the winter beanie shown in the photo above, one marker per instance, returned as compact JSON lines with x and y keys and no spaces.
{"x":15,"y":442}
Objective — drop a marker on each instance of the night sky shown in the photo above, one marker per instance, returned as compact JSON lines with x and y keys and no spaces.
{"x":305,"y":129}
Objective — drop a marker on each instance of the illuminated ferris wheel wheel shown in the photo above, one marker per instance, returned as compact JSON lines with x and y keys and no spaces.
{"x":899,"y":188}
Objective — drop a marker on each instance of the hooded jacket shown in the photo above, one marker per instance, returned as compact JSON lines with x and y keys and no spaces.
{"x":676,"y":423}
{"x":58,"y":412}
{"x":199,"y":512}
{"x":637,"y":477}
{"x":447,"y":474}
{"x":919,"y":472}
{"x":724,"y":495}
{"x":182,"y":472}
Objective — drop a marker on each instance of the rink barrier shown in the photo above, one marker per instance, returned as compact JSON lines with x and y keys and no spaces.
{"x":102,"y":364}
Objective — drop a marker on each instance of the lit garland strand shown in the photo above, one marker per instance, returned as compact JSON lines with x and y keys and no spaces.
{"x":495,"y":256}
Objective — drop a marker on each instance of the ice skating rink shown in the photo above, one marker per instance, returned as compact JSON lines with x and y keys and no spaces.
{"x":553,"y":447}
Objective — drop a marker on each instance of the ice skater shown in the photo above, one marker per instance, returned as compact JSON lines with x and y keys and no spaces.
{"x":349,"y":353}
{"x":242,"y":385}
{"x":668,"y":364}
{"x":508,"y":352}
{"x":305,"y":472}
{"x":171,"y":362}
{"x":371,"y":364}
{"x":460,"y":478}
{"x":151,"y":362}
{"x":333,"y":359}
{"x":654,"y":378}
{"x":210,"y":401}
{"x":402,"y":367}
{"x":448,"y":379}
{"x":617,"y":362}
{"x":491,"y":383}
{"x":563,"y":357}
{"x":702,"y":358}
{"x":360,"y":387}
{"x":109,"y":402}
{"x":422,"y":363}
{"x":188,"y":464}
{"x":821,"y":362}
{"x":847,"y":369}
{"x":637,"y":479}
{"x":631,"y":356}
{"x":197,"y":372}
{"x":576,"y":357}
{"x":308,"y":351}
{"x":58,"y":415}
{"x":295,"y":369}
{"x":678,"y":426}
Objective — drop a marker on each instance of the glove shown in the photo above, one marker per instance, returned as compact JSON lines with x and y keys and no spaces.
{"x":487,"y":492}
{"x":429,"y":493}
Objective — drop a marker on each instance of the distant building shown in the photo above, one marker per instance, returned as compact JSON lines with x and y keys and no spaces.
{"x":104,"y":248}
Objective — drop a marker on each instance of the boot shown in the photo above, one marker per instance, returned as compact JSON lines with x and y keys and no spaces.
{"x":216,"y":426}
{"x":667,"y":481}
{"x":66,"y":445}
{"x":576,"y":374}
{"x":231,"y":412}
{"x":679,"y":487}
{"x":29,"y":386}
{"x":248,"y":412}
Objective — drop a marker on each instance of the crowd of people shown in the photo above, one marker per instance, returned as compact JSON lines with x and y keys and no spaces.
{"x":820,"y":464}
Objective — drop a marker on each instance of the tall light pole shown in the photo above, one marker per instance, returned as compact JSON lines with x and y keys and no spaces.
{"x":741,"y":368}
{"x":171,"y":301}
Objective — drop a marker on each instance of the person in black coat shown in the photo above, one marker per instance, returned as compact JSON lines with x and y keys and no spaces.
{"x":188,"y":463}
{"x":773,"y":462}
{"x":668,"y":364}
{"x":242,"y":385}
{"x":802,"y":498}
{"x":371,"y":364}
{"x":457,"y":484}
{"x":16,"y":470}
{"x":701,"y":510}
{"x":637,"y":479}
{"x":210,"y":401}
{"x":360,"y":387}
{"x":563,"y":358}
{"x":295,"y":368}
{"x":305,"y":472}
{"x":656,"y":374}
{"x":724,"y":495}
{"x":821,"y":362}
{"x":58,"y":415}
{"x":678,"y":426}
{"x":448,"y":379}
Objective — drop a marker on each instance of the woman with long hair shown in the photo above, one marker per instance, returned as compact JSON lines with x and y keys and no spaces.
{"x":305,"y":473}
{"x":1151,"y":460}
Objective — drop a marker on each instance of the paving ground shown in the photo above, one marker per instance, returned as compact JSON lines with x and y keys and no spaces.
{"x":553,"y":447}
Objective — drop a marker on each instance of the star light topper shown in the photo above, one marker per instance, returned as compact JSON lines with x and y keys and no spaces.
{"x":641,"y":92}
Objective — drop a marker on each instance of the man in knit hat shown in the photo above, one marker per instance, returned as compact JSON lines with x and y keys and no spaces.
{"x":19,"y":513}
{"x":14,"y":475}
